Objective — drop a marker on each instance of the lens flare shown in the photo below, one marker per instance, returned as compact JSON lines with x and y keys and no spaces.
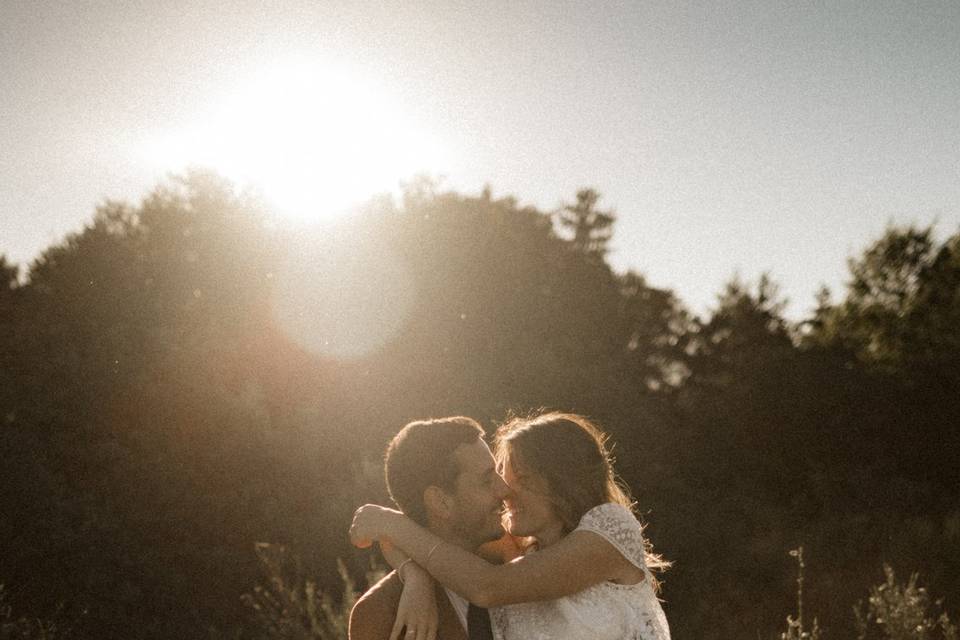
{"x":343,"y":297}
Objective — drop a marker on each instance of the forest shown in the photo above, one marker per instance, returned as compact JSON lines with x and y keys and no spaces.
{"x":194,"y":397}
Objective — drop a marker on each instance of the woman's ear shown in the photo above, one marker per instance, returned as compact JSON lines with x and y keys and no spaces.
{"x":437,"y":503}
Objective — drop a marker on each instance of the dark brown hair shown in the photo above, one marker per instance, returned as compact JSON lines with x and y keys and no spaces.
{"x":570,"y":454}
{"x":421,"y":455}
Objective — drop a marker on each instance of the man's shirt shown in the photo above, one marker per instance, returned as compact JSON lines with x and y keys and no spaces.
{"x":459,"y":604}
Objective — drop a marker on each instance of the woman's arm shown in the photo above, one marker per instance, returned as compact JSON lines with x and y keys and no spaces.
{"x":577,"y":561}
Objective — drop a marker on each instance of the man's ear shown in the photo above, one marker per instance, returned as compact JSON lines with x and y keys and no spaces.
{"x":437,"y":503}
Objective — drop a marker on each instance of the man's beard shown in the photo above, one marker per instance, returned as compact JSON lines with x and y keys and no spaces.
{"x":478,"y":531}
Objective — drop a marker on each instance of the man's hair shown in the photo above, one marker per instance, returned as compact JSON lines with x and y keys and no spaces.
{"x":421,"y":455}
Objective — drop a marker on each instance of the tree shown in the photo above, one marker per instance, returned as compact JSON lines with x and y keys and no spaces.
{"x":746,"y":331}
{"x":657,"y":331}
{"x":900,"y":323}
{"x":901,"y":314}
{"x":8,"y":293}
{"x":590,"y":228}
{"x":8,"y":275}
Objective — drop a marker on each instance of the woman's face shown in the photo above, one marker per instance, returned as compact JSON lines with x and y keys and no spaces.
{"x":529,"y":509}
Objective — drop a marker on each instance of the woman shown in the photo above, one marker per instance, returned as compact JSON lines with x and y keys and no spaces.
{"x":587,"y":572}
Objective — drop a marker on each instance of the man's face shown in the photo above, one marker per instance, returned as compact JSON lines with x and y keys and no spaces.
{"x":478,"y":495}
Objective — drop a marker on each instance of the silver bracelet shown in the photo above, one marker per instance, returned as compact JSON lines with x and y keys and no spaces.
{"x":426,"y":563}
{"x":400,"y":569}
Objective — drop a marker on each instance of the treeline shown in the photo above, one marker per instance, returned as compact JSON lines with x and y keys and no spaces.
{"x":185,"y":378}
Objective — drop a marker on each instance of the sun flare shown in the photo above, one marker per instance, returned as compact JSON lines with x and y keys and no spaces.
{"x":313,"y":139}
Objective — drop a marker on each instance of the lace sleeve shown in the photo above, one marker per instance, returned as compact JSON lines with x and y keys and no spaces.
{"x":618,"y":526}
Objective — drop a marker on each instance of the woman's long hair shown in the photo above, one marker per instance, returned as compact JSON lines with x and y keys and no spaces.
{"x":570,"y":454}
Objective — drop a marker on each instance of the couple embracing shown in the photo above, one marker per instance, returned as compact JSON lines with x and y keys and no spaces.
{"x":573,"y":564}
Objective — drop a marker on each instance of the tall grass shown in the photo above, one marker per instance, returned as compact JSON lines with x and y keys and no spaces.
{"x":795,"y":628}
{"x":13,"y":626}
{"x":288,"y":606}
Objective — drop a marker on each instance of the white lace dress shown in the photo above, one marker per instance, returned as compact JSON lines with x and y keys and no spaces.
{"x":605,"y":611}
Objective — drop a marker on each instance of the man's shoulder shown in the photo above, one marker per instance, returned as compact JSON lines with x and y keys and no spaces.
{"x":373,"y":614}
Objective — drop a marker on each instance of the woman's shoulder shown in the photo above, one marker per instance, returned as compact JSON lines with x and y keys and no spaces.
{"x":609,"y":514}
{"x":617,"y":524}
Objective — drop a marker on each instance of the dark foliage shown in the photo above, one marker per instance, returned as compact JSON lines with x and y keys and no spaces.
{"x":184,"y":379}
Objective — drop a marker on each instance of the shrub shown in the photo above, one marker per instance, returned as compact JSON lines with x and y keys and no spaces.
{"x":895,"y":611}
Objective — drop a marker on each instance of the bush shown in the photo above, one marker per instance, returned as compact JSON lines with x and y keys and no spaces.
{"x":902,"y":612}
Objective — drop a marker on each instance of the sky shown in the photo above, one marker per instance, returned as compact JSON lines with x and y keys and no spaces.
{"x":730,"y":138}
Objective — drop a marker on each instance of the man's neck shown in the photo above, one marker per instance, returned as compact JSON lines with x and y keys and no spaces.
{"x":453,"y":538}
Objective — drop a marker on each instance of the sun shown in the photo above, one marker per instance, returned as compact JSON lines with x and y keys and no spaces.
{"x":313,"y":139}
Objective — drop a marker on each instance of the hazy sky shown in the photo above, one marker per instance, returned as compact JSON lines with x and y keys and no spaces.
{"x":729,"y":137}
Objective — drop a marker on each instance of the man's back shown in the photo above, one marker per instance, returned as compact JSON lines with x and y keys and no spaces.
{"x":373,"y":615}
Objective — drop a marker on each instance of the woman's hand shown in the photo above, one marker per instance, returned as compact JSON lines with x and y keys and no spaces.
{"x":417,"y":610}
{"x":370,"y":523}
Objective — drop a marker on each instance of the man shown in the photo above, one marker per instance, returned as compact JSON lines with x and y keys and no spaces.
{"x":442,"y":475}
